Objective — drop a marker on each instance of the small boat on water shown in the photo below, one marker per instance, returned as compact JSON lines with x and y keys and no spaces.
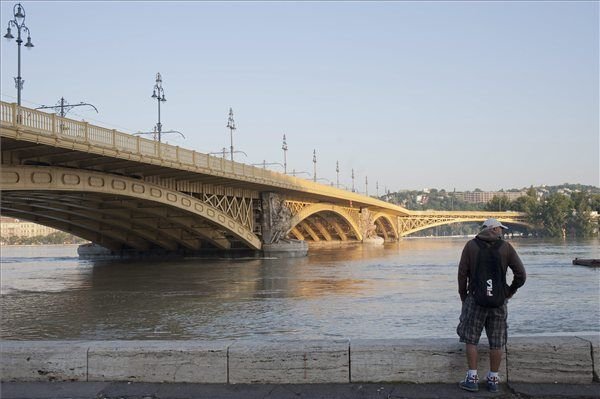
{"x":587,"y":262}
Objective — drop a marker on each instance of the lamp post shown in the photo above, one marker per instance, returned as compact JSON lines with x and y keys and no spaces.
{"x":284,"y":147}
{"x":264,"y":164}
{"x":165,"y":132}
{"x":325,"y":179}
{"x":294,"y":173}
{"x":377,"y":188}
{"x":353,"y":180}
{"x":19,"y":23}
{"x":231,"y":127}
{"x":314,"y":165}
{"x":337,"y":174}
{"x":65,"y":107}
{"x":159,"y":94}
{"x":224,"y":152}
{"x":367,"y":186}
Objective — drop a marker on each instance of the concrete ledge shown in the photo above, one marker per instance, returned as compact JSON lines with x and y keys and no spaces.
{"x":594,"y":341}
{"x":566,"y":360}
{"x":43,"y":361}
{"x":158,"y":361}
{"x":413,"y":360}
{"x":289,"y":362}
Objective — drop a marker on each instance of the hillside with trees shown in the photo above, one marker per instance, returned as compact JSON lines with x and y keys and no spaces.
{"x":568,"y":210}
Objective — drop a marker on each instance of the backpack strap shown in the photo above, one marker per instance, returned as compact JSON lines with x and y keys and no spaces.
{"x":482,"y":244}
{"x":498,"y":244}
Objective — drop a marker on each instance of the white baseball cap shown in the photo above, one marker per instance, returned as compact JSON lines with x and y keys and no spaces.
{"x":491,"y":223}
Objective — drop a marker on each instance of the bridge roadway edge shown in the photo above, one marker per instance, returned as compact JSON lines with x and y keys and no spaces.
{"x":538,"y":360}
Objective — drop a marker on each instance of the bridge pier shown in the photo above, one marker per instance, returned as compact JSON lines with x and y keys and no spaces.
{"x":275,"y":222}
{"x":368,"y":228}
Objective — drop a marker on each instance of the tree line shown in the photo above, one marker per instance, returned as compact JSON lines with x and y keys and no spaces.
{"x":58,"y":237}
{"x":557,"y":211}
{"x":556,"y":214}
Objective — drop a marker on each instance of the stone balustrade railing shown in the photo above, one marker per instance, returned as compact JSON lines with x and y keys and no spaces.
{"x":74,"y":134}
{"x":570,"y":360}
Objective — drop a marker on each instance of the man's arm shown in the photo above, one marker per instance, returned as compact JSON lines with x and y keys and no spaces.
{"x":519,"y":274}
{"x":463,"y":273}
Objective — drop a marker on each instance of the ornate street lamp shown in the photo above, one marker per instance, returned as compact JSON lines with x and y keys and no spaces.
{"x":63,"y":107}
{"x":224,"y":153}
{"x":367,"y":186}
{"x":294,"y":173}
{"x":337,"y":174}
{"x":264,"y":164}
{"x":19,"y":23}
{"x":314,"y":165}
{"x":353,"y":180}
{"x":231,"y":127}
{"x":284,"y":147}
{"x":159,"y":94}
{"x":155,"y":133}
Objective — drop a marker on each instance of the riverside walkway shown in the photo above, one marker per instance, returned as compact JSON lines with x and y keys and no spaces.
{"x":533,"y":367}
{"x":124,"y":390}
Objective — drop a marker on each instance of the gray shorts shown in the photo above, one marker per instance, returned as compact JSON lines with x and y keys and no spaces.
{"x":473,"y":318}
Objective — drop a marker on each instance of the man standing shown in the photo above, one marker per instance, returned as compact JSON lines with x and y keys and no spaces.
{"x":484,"y":293}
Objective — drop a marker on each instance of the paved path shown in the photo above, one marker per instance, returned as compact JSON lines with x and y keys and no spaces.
{"x":124,"y":390}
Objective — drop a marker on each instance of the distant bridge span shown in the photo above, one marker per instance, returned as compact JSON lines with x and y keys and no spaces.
{"x":126,"y":192}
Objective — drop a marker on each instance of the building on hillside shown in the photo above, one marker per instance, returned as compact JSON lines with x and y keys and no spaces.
{"x":10,"y":227}
{"x":478,"y":197}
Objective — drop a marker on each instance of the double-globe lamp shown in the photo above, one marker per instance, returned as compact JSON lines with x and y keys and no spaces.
{"x":19,"y":24}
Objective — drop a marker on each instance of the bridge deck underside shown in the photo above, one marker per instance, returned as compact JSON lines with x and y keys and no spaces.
{"x":117,"y":223}
{"x":324,"y":226}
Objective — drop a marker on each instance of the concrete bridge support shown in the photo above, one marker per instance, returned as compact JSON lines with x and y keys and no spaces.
{"x":275,"y":223}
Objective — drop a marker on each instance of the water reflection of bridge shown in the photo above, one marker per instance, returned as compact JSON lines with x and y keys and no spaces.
{"x":126,"y":192}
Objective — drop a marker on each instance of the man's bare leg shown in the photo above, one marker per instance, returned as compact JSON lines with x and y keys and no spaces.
{"x":472,"y":357}
{"x":495,"y":359}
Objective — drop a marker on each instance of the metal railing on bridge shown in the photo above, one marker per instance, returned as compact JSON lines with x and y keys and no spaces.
{"x":85,"y":133}
{"x":93,"y":138}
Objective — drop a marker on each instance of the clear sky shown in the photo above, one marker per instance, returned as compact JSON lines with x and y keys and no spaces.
{"x":448,"y":95}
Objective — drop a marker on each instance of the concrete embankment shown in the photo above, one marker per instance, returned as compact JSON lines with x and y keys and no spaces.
{"x":563,"y":360}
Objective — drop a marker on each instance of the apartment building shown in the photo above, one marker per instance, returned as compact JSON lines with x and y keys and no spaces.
{"x":477,"y":197}
{"x":10,"y":227}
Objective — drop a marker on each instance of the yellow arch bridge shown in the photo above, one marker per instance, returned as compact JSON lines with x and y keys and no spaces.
{"x":127,"y":193}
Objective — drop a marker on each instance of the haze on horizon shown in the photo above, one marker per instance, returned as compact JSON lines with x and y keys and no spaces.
{"x":452,"y":95}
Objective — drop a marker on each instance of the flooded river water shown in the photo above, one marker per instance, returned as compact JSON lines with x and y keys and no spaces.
{"x":401,"y":290}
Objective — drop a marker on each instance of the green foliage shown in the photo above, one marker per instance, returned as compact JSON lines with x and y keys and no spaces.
{"x":551,"y":215}
{"x":498,"y":204}
{"x":595,"y":202}
{"x":525,"y":204}
{"x":58,"y":237}
{"x":555,"y":211}
{"x":579,"y":222}
{"x":560,"y":215}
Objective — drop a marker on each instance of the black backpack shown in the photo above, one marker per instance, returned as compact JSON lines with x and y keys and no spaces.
{"x":488,"y":283}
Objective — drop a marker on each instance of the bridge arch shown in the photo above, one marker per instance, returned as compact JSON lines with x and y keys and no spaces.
{"x":164,"y":218}
{"x":322,"y":209}
{"x":423,"y":224}
{"x":386,"y":224}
